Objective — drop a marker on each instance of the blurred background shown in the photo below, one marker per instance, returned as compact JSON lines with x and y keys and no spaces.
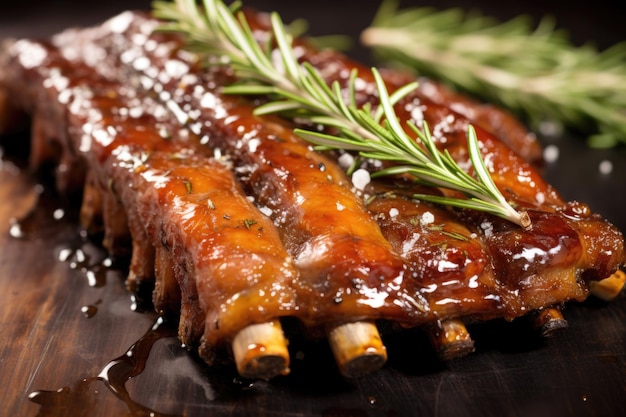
{"x":599,"y":20}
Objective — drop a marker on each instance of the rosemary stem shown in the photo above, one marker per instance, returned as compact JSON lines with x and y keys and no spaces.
{"x":374,"y":133}
{"x":532,"y":70}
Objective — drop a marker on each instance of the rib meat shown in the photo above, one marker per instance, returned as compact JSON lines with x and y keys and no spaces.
{"x":235,"y":221}
{"x":330,"y":243}
{"x":219,"y":261}
{"x":567,"y":246}
{"x":324,"y":225}
{"x":547,"y":265}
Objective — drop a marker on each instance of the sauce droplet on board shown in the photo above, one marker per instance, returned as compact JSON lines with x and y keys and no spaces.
{"x":83,"y":398}
{"x":90,"y":310}
{"x":84,"y":257}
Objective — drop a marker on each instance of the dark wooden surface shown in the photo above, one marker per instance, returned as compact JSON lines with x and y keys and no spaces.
{"x":64,"y":318}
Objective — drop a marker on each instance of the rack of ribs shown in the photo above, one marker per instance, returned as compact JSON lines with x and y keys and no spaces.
{"x":235,"y":224}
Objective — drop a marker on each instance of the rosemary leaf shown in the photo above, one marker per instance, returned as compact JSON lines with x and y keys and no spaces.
{"x":531,"y":69}
{"x":302,"y":89}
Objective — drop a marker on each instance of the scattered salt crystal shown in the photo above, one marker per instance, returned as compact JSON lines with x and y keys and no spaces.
{"x":427,"y":218}
{"x":394,"y":212}
{"x":606,"y":167}
{"x":540,"y":197}
{"x":253,"y":144}
{"x":141,"y":63}
{"x":417,"y":114}
{"x":266,"y":210}
{"x":550,"y":128}
{"x":58,"y":214}
{"x":345,"y":160}
{"x":340,"y":206}
{"x":551,"y":153}
{"x":176,"y":68}
{"x":121,"y":22}
{"x":360,"y":179}
{"x":487,"y":228}
{"x":135,"y":112}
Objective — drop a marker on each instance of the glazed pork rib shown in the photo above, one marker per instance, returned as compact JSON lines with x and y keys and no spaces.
{"x":329,"y":249}
{"x":219,"y":262}
{"x":567,"y":242}
{"x":403,"y":261}
{"x":594,"y":239}
{"x":465,"y":267}
{"x":349,"y":274}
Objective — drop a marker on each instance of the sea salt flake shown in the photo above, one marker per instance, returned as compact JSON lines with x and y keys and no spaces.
{"x":345,"y":160}
{"x":551,"y":153}
{"x":360,"y":179}
{"x":605,"y":167}
{"x":427,"y":218}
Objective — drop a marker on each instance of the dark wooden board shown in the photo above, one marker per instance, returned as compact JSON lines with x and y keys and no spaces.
{"x":64,"y":317}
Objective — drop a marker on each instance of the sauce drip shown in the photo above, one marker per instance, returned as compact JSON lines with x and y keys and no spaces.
{"x":90,"y":310}
{"x":82,"y":256}
{"x":82,"y":399}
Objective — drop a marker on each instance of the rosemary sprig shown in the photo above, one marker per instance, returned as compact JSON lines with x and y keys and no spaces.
{"x":301,"y":90}
{"x":533,"y":70}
